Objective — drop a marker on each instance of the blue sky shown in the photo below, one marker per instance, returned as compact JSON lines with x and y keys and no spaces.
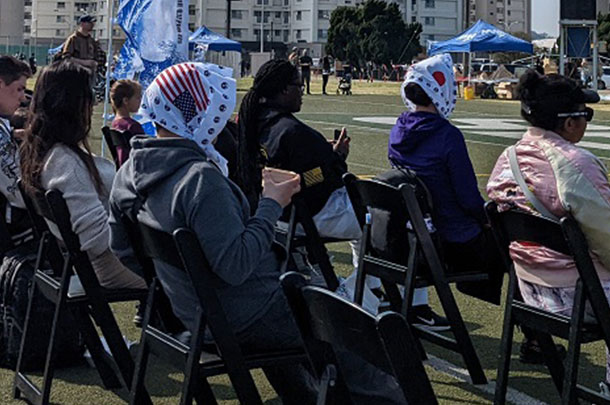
{"x":545,"y":16}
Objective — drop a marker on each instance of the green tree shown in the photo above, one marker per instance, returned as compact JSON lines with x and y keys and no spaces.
{"x":373,"y":31}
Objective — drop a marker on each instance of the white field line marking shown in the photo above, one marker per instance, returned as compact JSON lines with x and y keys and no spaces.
{"x":461,"y":374}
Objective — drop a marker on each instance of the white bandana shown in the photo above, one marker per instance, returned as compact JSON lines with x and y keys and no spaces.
{"x":193,"y":100}
{"x":435,"y":76}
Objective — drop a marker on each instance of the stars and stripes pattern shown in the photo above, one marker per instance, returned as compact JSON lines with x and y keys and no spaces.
{"x":182,"y":85}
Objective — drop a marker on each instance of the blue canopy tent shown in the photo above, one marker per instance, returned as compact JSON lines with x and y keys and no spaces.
{"x":54,"y":51}
{"x":481,"y":37}
{"x":213,"y":41}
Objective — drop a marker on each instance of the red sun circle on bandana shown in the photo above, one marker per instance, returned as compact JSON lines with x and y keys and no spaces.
{"x":439,"y":77}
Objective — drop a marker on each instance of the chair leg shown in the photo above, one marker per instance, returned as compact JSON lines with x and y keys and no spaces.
{"x":191,"y":370}
{"x":570,"y":378}
{"x":462,"y":338}
{"x":361,"y":276}
{"x":103,"y":315}
{"x":100,"y":357}
{"x":137,"y":391}
{"x":506,"y":345}
{"x":551,"y":358}
{"x":204,"y":394}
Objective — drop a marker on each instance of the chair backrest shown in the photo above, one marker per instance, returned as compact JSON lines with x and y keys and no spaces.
{"x":6,"y":242}
{"x":114,"y":139}
{"x":388,"y":234}
{"x":183,"y":251}
{"x":564,"y":236}
{"x":384,"y":341}
{"x":514,"y":226}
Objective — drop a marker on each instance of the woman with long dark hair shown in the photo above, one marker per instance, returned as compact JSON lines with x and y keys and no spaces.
{"x":55,"y":155}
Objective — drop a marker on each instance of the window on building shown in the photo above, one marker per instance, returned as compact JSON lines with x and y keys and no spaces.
{"x":428,"y":20}
{"x":192,"y":27}
{"x":101,"y":19}
{"x":297,"y":34}
{"x":413,"y":19}
{"x":278,"y":15}
{"x":277,"y":33}
{"x":324,"y":14}
{"x":508,"y":12}
{"x":257,"y":34}
{"x":509,"y":2}
{"x":322,"y":34}
{"x":60,"y":19}
{"x":26,"y":29}
{"x":27,"y":3}
{"x":236,"y":14}
{"x":235,"y":33}
{"x":267,"y":15}
{"x":286,"y":35}
{"x":431,"y":37}
{"x":429,"y":4}
{"x":277,"y":3}
{"x":286,"y":17}
{"x":299,"y":16}
{"x":61,"y":4}
{"x":192,"y":10}
{"x":259,"y":2}
{"x":27,"y":15}
{"x":286,"y":2}
{"x":60,"y":33}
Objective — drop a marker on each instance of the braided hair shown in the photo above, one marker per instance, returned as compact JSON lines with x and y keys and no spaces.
{"x":272,"y":78}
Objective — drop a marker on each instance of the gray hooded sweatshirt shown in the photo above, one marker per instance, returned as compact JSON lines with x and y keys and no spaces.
{"x":180,"y":188}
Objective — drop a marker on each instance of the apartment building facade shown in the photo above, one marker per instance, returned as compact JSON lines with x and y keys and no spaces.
{"x":50,"y":22}
{"x":508,"y":15}
{"x":11,"y":26}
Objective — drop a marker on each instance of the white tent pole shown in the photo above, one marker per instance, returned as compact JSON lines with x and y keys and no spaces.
{"x":110,"y":18}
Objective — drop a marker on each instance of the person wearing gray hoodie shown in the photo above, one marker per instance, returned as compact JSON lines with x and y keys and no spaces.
{"x":170,"y":182}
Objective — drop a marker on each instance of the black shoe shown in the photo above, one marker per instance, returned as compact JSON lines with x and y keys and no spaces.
{"x":423,"y":316}
{"x":530,"y":352}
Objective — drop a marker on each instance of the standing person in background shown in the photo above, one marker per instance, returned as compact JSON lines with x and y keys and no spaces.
{"x":325,"y":72}
{"x":81,"y":47}
{"x":32,"y":62}
{"x":306,"y":63}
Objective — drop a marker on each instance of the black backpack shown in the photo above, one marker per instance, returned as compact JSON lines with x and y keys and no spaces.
{"x":16,"y":277}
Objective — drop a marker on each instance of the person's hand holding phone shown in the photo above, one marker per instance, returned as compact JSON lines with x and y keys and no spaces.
{"x":280,"y":185}
{"x":341,"y":143}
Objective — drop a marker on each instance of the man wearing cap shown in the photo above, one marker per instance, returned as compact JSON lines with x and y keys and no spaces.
{"x":81,"y":46}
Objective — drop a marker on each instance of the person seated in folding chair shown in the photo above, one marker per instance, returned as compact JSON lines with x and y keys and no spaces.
{"x":425,"y":141}
{"x":180,"y":180}
{"x":55,"y":155}
{"x":561,"y":178}
{"x":125,"y":96}
{"x":13,"y":77}
{"x":269,"y":134}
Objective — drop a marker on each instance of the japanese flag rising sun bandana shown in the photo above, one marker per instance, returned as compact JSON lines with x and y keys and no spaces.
{"x":435,"y":76}
{"x":194,"y":101}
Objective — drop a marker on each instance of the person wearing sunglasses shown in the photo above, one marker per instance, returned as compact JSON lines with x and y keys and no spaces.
{"x":561,"y":178}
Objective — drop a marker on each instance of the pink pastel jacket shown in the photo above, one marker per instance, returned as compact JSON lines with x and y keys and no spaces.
{"x":565,"y":178}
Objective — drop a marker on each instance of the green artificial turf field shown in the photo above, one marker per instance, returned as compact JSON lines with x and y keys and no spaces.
{"x":368,"y":114}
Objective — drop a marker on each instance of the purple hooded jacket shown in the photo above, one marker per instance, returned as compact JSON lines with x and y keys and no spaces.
{"x":436,"y":150}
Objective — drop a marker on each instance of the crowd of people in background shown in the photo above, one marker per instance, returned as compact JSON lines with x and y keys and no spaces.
{"x":180,"y":179}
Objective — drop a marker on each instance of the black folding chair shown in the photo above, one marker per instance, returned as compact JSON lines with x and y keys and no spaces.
{"x":313,"y":243}
{"x":424,"y":267}
{"x":90,"y":301}
{"x":114,"y":139}
{"x":6,"y":239}
{"x":183,"y":251}
{"x":385,"y":341}
{"x":565,"y":237}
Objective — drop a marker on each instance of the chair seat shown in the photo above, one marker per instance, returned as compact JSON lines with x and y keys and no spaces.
{"x":76,"y":292}
{"x":212,"y":364}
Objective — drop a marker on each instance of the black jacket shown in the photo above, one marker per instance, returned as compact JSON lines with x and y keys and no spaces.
{"x":289,"y":144}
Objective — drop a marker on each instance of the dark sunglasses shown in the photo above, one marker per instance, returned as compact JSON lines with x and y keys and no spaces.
{"x":587,"y":113}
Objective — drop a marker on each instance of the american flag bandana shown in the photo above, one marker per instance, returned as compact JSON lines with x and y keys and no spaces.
{"x":193,"y":100}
